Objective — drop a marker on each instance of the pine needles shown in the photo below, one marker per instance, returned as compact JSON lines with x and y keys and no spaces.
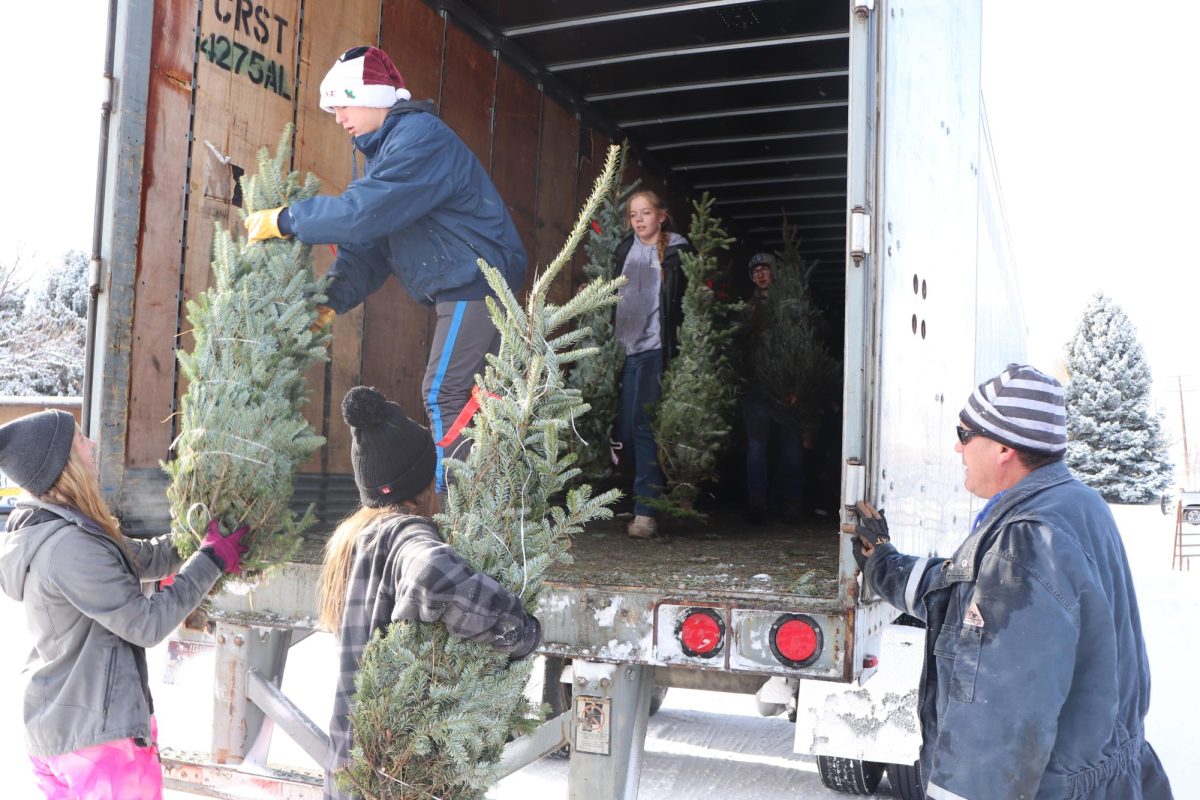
{"x":692,"y":421}
{"x":432,"y":713}
{"x":792,"y":360}
{"x":596,"y":377}
{"x":241,"y":433}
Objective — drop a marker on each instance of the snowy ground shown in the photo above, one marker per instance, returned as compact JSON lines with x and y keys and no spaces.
{"x":701,"y":744}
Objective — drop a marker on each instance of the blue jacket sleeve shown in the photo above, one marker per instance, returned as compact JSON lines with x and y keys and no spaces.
{"x":408,"y":179}
{"x":1010,"y":667}
{"x":359,"y":270}
{"x":902,"y":580}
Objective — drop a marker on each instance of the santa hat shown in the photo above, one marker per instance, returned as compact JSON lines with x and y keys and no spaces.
{"x":363,"y":76}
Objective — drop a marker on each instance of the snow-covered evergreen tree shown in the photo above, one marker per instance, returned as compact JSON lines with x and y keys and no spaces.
{"x":66,"y":284}
{"x":596,"y":377}
{"x":241,"y":431}
{"x":693,"y":419}
{"x":432,"y":712}
{"x":42,"y":331}
{"x":1114,"y":438}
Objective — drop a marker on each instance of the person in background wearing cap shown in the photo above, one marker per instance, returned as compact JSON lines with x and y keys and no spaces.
{"x":384,"y":563}
{"x":1036,"y":678}
{"x":88,"y":712}
{"x":768,"y":425}
{"x":425,"y":211}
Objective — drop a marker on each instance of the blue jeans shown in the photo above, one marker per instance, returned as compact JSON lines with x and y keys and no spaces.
{"x":641,"y":386}
{"x":767,"y":426}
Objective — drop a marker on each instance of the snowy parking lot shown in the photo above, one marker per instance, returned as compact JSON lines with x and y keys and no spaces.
{"x":701,"y":744}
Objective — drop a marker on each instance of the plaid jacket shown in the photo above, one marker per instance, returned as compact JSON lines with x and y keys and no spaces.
{"x":402,"y":570}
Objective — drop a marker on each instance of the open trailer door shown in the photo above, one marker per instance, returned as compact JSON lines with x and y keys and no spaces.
{"x":917,"y":150}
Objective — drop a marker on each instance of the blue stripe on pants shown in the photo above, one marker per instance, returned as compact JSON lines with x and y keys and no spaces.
{"x":435,"y":411}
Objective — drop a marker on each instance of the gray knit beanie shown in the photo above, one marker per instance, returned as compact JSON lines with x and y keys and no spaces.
{"x":34,"y":449}
{"x":1021,"y":407}
{"x":393,"y":457}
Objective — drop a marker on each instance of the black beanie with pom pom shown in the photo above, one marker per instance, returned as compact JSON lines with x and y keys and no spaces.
{"x":393,"y":457}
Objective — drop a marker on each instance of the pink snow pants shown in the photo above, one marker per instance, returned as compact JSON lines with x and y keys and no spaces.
{"x":117,"y":770}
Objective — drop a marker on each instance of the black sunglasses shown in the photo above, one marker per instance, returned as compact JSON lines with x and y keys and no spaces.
{"x":966,"y":434}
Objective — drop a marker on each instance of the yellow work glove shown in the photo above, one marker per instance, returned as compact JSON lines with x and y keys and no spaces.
{"x":263,"y":225}
{"x":325,"y":316}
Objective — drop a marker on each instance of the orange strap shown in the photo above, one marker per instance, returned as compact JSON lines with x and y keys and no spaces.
{"x":464,"y":417}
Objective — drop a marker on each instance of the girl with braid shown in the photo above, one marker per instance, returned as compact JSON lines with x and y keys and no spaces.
{"x":646,"y":325}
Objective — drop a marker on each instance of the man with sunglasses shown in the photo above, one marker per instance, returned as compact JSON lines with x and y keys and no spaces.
{"x":1036,"y":681}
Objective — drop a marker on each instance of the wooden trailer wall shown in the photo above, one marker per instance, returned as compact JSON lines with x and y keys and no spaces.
{"x":225,"y":76}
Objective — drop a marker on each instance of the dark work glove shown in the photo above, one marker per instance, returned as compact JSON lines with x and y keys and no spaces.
{"x":531,"y":637}
{"x":871,"y":531}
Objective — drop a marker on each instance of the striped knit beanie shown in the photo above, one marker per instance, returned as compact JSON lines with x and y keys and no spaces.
{"x":363,"y":76}
{"x":1022,"y":408}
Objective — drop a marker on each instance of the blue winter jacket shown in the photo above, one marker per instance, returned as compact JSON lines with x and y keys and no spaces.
{"x":425,"y":211}
{"x":1036,"y":681}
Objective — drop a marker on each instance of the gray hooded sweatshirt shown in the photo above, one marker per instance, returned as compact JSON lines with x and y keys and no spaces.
{"x":90,"y":622}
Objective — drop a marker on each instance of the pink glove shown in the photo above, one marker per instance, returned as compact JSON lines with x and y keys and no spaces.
{"x":228,"y":549}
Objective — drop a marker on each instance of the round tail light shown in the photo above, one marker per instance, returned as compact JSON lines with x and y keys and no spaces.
{"x":702,"y":633}
{"x":796,"y":640}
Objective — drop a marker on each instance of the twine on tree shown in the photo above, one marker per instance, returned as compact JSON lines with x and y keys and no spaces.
{"x":187,"y":520}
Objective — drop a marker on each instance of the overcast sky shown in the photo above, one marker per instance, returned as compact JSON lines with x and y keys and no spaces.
{"x":1087,"y":104}
{"x":1086,"y":101}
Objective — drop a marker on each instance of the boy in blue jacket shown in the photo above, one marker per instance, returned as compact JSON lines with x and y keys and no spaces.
{"x":425,"y":211}
{"x":1036,"y":681}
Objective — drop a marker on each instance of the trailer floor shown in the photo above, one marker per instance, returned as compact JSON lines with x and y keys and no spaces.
{"x":724,"y":554}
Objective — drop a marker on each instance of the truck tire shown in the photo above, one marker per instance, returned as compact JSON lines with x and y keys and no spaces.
{"x":770,"y":709}
{"x":849,"y":775}
{"x":1192,"y":516}
{"x":906,"y":781}
{"x":657,"y":695}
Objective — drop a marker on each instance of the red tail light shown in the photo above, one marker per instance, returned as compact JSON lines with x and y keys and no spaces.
{"x":796,"y":640}
{"x":702,"y":633}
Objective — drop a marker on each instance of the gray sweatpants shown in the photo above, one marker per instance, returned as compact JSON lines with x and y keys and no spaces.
{"x":463,"y":336}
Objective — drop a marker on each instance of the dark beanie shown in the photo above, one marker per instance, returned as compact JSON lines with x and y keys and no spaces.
{"x":34,"y":449}
{"x":393,"y":457}
{"x":1021,"y":407}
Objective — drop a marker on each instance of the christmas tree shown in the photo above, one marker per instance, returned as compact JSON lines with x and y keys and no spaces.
{"x":1114,"y":439}
{"x":791,"y":360}
{"x":432,"y":712}
{"x":692,"y":421}
{"x":596,"y":377}
{"x":241,"y":433}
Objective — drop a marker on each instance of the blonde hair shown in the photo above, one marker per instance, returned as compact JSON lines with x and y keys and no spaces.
{"x":335,"y":571}
{"x":339,"y":558}
{"x":78,"y":488}
{"x":664,"y":230}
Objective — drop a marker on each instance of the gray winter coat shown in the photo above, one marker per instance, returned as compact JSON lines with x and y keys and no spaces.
{"x":90,"y":623}
{"x":1036,"y":681}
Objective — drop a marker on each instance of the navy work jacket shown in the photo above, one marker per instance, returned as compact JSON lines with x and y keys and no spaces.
{"x":1036,"y":681}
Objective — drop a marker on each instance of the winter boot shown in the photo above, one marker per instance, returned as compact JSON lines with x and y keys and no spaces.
{"x":642,"y":527}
